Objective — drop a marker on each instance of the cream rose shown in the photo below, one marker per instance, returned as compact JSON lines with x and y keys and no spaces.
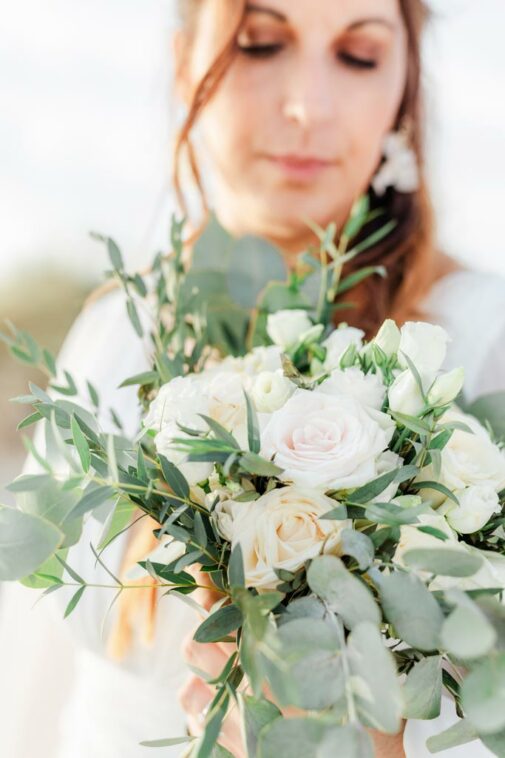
{"x":281,"y":529}
{"x":326,"y":441}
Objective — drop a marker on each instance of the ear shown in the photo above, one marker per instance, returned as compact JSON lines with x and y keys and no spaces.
{"x":182,"y":68}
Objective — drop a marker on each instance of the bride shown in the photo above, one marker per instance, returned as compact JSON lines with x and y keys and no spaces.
{"x":300,"y":108}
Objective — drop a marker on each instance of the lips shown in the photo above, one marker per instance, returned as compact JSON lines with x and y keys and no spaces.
{"x":301,"y":168}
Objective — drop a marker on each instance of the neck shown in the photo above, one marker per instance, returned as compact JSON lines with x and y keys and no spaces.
{"x":291,"y":242}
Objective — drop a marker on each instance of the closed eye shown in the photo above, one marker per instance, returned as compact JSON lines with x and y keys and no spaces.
{"x":351,"y":60}
{"x":260,"y":51}
{"x":266,"y":51}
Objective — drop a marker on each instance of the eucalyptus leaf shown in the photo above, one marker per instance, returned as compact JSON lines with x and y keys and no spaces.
{"x":344,"y":593}
{"x":26,"y":542}
{"x":459,"y":733}
{"x":358,"y":546}
{"x":422,"y":689}
{"x":312,"y":674}
{"x":219,"y":624}
{"x":444,"y":561}
{"x":411,"y":608}
{"x":467,"y":634}
{"x":256,"y":714}
{"x":375,"y":684}
{"x":483,"y":695}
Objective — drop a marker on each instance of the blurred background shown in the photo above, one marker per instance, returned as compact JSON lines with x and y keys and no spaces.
{"x":85,"y":140}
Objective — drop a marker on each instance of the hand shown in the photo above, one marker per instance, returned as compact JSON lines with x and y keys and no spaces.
{"x":211,"y":658}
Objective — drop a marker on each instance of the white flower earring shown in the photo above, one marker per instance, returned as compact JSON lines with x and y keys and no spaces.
{"x":400,"y":168}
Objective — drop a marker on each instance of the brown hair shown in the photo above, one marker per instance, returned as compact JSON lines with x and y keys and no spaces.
{"x":408,"y":253}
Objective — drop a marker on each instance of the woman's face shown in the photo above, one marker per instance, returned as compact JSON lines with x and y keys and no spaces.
{"x":295,"y":128}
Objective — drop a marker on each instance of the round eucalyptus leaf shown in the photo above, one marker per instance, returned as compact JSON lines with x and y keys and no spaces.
{"x":422,"y":690}
{"x":483,"y":695}
{"x":26,"y":541}
{"x":411,"y":608}
{"x":254,"y":262}
{"x":343,"y":592}
{"x":311,"y":738}
{"x":467,"y":633}
{"x":358,"y":546}
{"x":443,"y":560}
{"x":375,"y":684}
{"x":311,"y":675}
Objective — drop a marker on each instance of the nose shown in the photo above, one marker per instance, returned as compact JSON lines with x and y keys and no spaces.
{"x":308,"y":91}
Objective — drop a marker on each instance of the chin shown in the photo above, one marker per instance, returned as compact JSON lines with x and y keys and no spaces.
{"x":286,"y":212}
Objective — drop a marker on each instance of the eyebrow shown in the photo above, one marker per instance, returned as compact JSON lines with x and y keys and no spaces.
{"x":253,"y":8}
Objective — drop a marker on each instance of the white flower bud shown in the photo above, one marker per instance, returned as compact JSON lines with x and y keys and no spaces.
{"x":388,"y":338}
{"x":477,"y":504}
{"x":271,"y":390}
{"x":405,"y":396}
{"x":425,"y":344}
{"x":285,"y":327}
{"x":446,"y":388}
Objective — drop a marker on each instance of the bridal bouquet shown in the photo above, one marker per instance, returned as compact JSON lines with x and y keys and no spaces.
{"x":343,"y":500}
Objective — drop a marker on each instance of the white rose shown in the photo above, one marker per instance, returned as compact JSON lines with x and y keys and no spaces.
{"x":227,"y":405}
{"x":281,"y":529}
{"x":405,"y":396}
{"x":477,"y":504}
{"x":368,"y":389}
{"x":388,"y":338}
{"x":181,"y":399}
{"x":425,"y":344}
{"x":285,"y":327}
{"x":338,"y":342}
{"x":469,"y":458}
{"x":271,"y":390}
{"x":260,"y":359}
{"x":326,"y":441}
{"x":491,"y":573}
{"x":194,"y":471}
{"x":446,"y":388}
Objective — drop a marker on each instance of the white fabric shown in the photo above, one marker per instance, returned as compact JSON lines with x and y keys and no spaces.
{"x":47,"y":661}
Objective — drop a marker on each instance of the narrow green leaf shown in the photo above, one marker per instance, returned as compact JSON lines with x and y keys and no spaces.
{"x":134,"y":317}
{"x":174,"y":478}
{"x":220,"y":624}
{"x":74,"y":600}
{"x":81,"y":444}
{"x":253,"y":430}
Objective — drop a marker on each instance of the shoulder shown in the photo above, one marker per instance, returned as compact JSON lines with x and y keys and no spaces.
{"x":467,"y":299}
{"x":470,"y":305}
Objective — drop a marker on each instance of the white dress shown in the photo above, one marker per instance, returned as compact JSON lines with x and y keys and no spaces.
{"x":60,"y":696}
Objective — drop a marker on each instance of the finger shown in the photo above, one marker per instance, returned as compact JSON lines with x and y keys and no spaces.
{"x":205,"y":656}
{"x":193,"y":697}
{"x":205,"y":597}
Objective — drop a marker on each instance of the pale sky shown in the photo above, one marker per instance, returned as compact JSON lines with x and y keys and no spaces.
{"x":85,"y":129}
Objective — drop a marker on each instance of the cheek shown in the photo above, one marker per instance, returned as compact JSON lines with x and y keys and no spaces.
{"x":371,"y":111}
{"x":231,"y":123}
